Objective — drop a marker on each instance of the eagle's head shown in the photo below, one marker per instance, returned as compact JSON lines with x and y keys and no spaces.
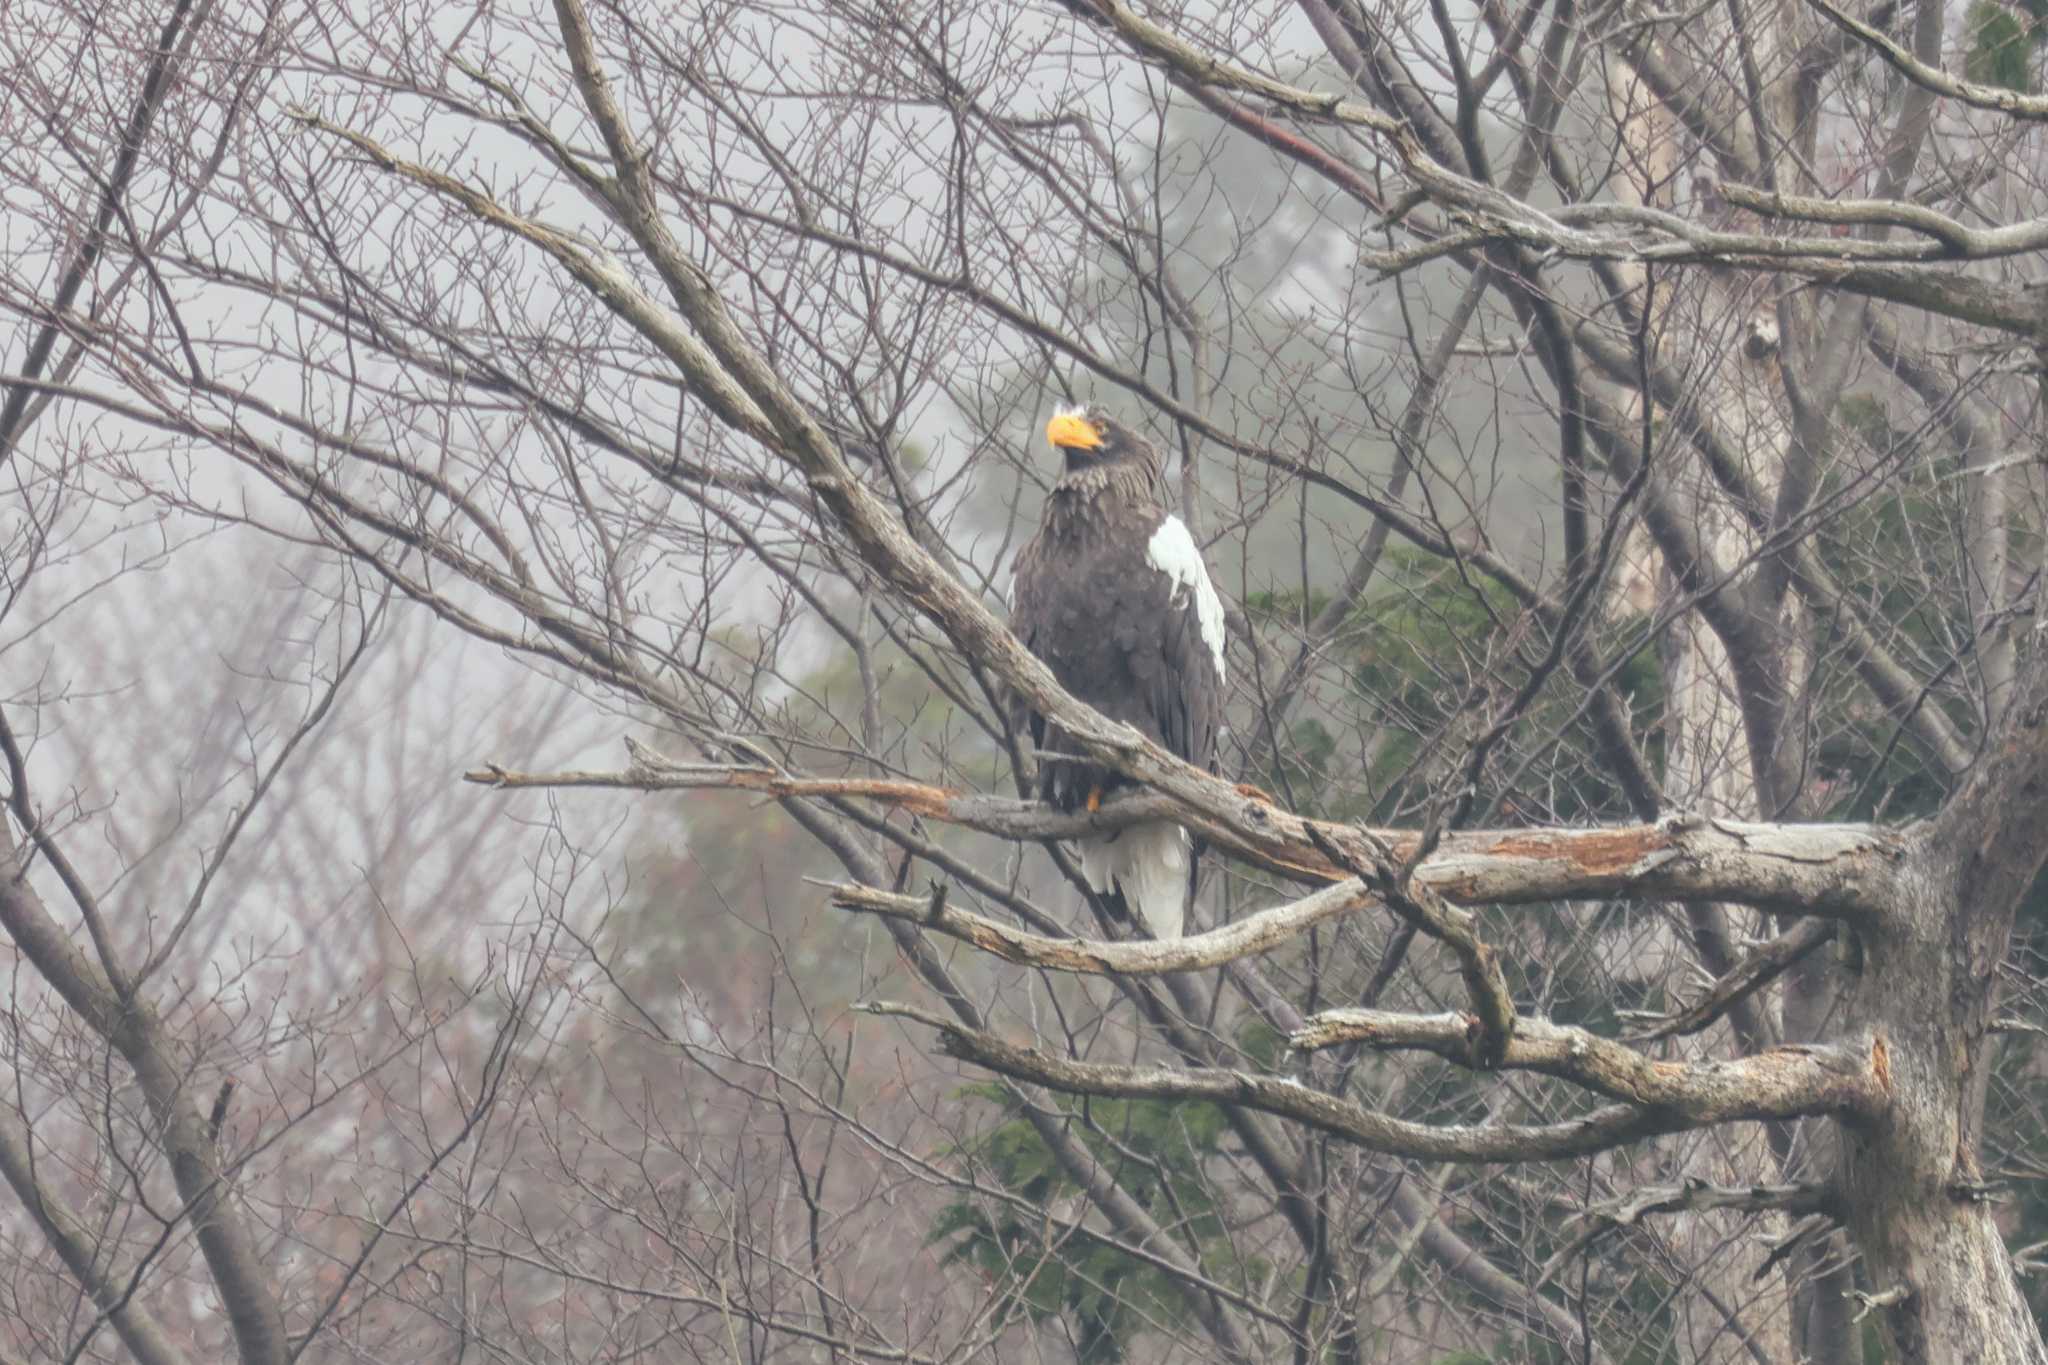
{"x":1089,"y":439}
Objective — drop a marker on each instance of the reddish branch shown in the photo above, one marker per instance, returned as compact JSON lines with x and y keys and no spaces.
{"x":1842,"y":871}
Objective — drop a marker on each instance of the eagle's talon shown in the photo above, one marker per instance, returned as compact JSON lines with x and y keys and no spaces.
{"x":1094,"y":799}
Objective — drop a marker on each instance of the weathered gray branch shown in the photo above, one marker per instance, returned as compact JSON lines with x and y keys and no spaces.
{"x":1257,"y":933}
{"x":1561,"y":1050}
{"x":1424,"y":910}
{"x":1849,"y":1081}
{"x":1833,"y":870}
{"x":2004,"y":101}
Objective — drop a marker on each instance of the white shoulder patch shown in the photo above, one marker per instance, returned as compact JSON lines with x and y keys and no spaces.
{"x":1173,"y":552}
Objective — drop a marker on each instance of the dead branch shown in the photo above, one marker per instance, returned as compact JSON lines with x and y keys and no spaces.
{"x":1839,"y":871}
{"x":1493,"y":1008}
{"x":1259,"y":933}
{"x":1790,"y":1082}
{"x":1573,"y":1054}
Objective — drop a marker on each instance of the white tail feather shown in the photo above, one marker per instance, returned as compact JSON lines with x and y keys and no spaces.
{"x":1149,"y":864}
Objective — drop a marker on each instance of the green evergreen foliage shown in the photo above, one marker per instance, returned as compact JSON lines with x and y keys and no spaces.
{"x":2002,"y":46}
{"x":1422,"y":659}
{"x":1155,"y":1151}
{"x":1886,"y":550}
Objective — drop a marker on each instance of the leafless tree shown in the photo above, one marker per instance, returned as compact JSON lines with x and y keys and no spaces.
{"x":1613,"y":430}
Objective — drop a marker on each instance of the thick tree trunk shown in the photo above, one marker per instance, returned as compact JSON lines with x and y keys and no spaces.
{"x":1926,"y":992}
{"x":1932,"y":1256}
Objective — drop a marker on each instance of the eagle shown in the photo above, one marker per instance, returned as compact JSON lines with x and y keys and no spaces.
{"x":1112,"y":595}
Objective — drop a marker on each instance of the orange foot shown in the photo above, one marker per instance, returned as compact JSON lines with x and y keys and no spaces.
{"x":1256,"y":793}
{"x":1094,"y":799}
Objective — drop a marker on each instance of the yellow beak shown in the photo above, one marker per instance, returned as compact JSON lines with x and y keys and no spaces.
{"x":1072,"y":429}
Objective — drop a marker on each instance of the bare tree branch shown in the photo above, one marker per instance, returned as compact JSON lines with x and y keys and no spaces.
{"x":1786,"y":1083}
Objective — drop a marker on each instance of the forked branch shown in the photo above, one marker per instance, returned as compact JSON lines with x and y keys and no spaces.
{"x":1757,"y":968}
{"x":1848,"y":1081}
{"x":1426,"y":912}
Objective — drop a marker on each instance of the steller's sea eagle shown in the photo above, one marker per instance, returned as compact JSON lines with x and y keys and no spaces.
{"x":1112,"y":595}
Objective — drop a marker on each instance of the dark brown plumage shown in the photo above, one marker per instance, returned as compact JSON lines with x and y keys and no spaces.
{"x":1112,"y":594}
